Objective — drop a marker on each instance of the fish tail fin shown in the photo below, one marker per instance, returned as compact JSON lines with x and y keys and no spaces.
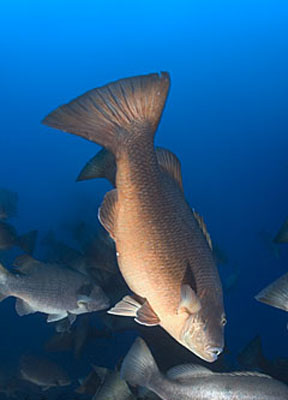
{"x":139,"y":366}
{"x":102,"y":165}
{"x":276,"y":294}
{"x":107,"y":115}
{"x":27,"y":241}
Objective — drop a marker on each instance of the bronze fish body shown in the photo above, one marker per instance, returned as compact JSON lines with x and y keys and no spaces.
{"x":162,"y":252}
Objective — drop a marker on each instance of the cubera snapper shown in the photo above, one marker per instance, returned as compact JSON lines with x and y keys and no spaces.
{"x":52,"y":289}
{"x":162,"y":251}
{"x":191,"y":381}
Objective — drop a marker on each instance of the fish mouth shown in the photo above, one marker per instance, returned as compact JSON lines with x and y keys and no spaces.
{"x":212,"y":353}
{"x":209,"y":354}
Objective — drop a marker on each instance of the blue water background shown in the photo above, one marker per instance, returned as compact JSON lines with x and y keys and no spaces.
{"x":226,"y":119}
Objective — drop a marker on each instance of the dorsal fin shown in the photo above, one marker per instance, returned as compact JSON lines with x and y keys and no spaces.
{"x":102,"y":165}
{"x":107,"y":211}
{"x":245,"y":373}
{"x":187,"y":371}
{"x":203,"y":227}
{"x":170,"y":164}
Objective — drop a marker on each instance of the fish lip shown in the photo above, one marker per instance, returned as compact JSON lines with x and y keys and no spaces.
{"x":214,"y":351}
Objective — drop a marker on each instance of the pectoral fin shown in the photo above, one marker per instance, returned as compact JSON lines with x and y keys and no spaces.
{"x":189,"y":301}
{"x":107,"y":212}
{"x":56,"y":317}
{"x":23,"y":308}
{"x":142,"y":313}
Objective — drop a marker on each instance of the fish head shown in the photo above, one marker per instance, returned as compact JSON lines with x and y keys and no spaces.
{"x":203,"y":332}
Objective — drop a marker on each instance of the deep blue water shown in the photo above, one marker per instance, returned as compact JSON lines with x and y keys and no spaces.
{"x":226,"y":119}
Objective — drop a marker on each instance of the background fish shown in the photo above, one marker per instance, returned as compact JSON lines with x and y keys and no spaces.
{"x":190,"y":381}
{"x":9,"y":238}
{"x":252,"y":357}
{"x":8,"y":204}
{"x":162,"y":249}
{"x":52,"y":289}
{"x":282,"y":235}
{"x":78,"y":336}
{"x":43,"y":372}
{"x":276,"y":294}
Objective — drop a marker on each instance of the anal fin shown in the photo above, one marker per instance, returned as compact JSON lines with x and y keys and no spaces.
{"x":56,"y":317}
{"x":146,"y":315}
{"x":142,"y":313}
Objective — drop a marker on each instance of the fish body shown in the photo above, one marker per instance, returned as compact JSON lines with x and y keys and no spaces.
{"x":190,"y":381}
{"x":51,"y":289}
{"x":163,"y":253}
{"x":43,"y":372}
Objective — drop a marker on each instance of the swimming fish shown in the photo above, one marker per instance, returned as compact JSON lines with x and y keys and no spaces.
{"x":276,"y":294}
{"x":43,"y":372}
{"x":191,"y":381}
{"x":52,"y":289}
{"x":282,"y":235}
{"x":8,"y":204}
{"x":252,"y":357}
{"x":164,"y":251}
{"x":9,"y":238}
{"x":77,"y":337}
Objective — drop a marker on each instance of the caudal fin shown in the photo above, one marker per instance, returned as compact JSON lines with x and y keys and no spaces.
{"x":276,"y":294}
{"x":102,"y":165}
{"x":139,"y":366}
{"x":27,"y":241}
{"x":107,"y":115}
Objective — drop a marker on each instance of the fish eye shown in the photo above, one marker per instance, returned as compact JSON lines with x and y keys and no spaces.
{"x":223,"y":321}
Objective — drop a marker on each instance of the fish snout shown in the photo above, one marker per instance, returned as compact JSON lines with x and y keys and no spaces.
{"x":214,"y":352}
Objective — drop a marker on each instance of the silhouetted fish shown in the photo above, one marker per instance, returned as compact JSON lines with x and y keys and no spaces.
{"x":9,"y":238}
{"x":282,"y":235}
{"x":252,"y":358}
{"x":8,"y":204}
{"x":162,"y":250}
{"x":43,"y":372}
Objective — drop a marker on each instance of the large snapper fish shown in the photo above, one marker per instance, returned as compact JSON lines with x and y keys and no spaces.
{"x":163,"y":252}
